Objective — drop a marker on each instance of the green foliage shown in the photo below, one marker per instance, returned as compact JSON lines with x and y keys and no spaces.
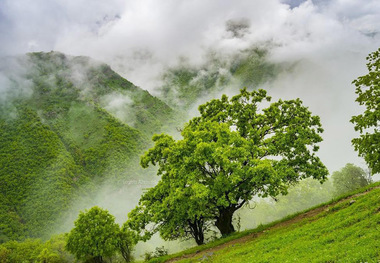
{"x":349,"y":178}
{"x":34,"y":250}
{"x":127,"y":241}
{"x":27,"y":251}
{"x":97,"y":236}
{"x":230,"y":154}
{"x":159,"y":252}
{"x":36,"y":174}
{"x":94,"y":236}
{"x":368,"y":91}
{"x":62,"y":137}
{"x":174,"y":215}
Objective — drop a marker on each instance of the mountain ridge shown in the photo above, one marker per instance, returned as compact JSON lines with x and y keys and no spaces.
{"x":61,"y":132}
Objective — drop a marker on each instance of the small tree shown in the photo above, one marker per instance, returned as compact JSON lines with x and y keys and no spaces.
{"x":175,"y":210}
{"x":235,"y":150}
{"x":47,"y":256}
{"x":349,"y":178}
{"x":368,"y":91}
{"x":127,"y":240}
{"x":94,"y":236}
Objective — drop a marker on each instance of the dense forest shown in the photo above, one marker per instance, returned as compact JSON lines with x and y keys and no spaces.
{"x":60,"y":138}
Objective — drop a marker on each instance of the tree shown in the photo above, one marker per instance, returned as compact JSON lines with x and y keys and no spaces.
{"x":94,"y":236}
{"x":235,"y":150}
{"x":349,"y":178}
{"x":25,"y":251}
{"x":368,"y":91}
{"x":168,"y":206}
{"x":127,"y":240}
{"x":34,"y":250}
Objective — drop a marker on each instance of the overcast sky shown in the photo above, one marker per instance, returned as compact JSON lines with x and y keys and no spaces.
{"x":140,"y":38}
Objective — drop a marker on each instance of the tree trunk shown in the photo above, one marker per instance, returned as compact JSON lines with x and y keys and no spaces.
{"x":197,"y":231}
{"x":224,"y":221}
{"x":98,"y":259}
{"x":199,"y":239}
{"x":126,"y":252}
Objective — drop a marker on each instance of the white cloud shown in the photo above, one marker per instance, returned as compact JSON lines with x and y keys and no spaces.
{"x":140,"y":38}
{"x":329,"y":40}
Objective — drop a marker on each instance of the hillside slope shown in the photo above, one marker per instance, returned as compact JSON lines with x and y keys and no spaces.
{"x":66,"y":122}
{"x":343,"y":231}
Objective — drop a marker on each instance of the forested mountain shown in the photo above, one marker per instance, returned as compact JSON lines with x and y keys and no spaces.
{"x":70,"y":123}
{"x":66,"y":122}
{"x":187,"y":84}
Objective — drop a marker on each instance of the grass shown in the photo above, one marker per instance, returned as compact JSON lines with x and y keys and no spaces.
{"x":340,"y":232}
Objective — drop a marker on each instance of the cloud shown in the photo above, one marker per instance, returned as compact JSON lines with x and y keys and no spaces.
{"x":38,"y":25}
{"x":140,"y":39}
{"x":326,"y":43}
{"x":13,"y":83}
{"x":120,"y":106}
{"x":169,"y":28}
{"x":114,"y":31}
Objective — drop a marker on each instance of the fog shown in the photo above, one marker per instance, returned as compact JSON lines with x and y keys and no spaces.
{"x":323,"y":44}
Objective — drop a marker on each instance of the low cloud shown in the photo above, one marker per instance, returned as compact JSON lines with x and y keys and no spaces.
{"x":119,"y":106}
{"x":326,"y":40}
{"x":323,"y":43}
{"x":13,"y":83}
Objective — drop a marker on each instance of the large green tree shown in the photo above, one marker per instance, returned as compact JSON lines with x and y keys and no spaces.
{"x":95,"y":235}
{"x":368,"y":123}
{"x":237,"y":149}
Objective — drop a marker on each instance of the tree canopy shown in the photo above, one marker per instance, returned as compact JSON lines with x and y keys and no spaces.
{"x":368,"y":123}
{"x":94,"y":236}
{"x":236,"y":149}
{"x":349,"y":178}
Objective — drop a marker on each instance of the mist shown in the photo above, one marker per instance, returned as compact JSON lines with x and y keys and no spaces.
{"x":327,"y":40}
{"x":319,"y":45}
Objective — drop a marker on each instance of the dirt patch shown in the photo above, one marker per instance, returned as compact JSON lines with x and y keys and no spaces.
{"x":310,"y":214}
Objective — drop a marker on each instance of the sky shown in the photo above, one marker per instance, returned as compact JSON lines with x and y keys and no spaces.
{"x":329,"y":40}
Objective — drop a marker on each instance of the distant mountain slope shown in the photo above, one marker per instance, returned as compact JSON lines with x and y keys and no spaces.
{"x":37,"y":175}
{"x":187,"y":85}
{"x":65,"y":122}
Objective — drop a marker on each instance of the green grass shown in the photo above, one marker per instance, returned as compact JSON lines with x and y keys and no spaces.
{"x":342,"y":233}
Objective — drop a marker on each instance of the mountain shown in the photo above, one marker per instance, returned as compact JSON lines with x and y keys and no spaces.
{"x":66,"y":122}
{"x":187,"y":85}
{"x":70,"y":123}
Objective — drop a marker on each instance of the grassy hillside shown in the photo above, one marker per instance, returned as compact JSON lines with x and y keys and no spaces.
{"x":347,"y":230}
{"x":66,"y":122}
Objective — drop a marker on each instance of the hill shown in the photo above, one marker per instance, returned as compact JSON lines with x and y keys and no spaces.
{"x":65,"y":123}
{"x":346,"y":230}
